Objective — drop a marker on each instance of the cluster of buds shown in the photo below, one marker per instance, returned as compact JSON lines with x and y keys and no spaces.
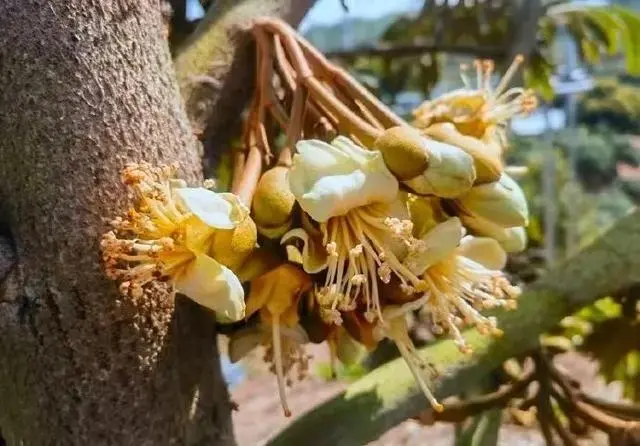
{"x":420,"y":219}
{"x":345,"y":235}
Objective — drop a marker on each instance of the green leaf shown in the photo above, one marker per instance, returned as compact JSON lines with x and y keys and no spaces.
{"x":608,"y":25}
{"x":537,"y":75}
{"x":630,"y":36}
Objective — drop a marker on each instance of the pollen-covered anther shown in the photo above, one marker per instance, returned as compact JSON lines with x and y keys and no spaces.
{"x":384,"y":273}
{"x":332,"y":249}
{"x":356,"y":251}
{"x":400,"y":228}
{"x":359,"y":256}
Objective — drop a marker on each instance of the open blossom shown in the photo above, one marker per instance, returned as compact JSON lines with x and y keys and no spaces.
{"x":359,"y":230}
{"x":169,"y":235}
{"x":463,"y":278}
{"x":475,"y":118}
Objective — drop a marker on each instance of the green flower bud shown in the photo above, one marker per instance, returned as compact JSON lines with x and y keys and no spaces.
{"x":403,"y":151}
{"x":273,"y":203}
{"x":486,"y":154}
{"x":450,"y":172}
{"x":427,"y":166}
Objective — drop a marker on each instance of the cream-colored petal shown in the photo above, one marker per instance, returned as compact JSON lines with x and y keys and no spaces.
{"x":485,"y":154}
{"x":511,"y":239}
{"x":214,"y":286}
{"x":329,"y":180}
{"x":239,"y":210}
{"x":425,"y":212}
{"x":450,"y":173}
{"x":208,"y":206}
{"x":501,"y":202}
{"x":314,"y":255}
{"x":437,"y":245}
{"x":483,"y":250}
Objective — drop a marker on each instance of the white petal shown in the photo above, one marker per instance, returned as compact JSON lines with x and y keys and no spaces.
{"x":439,"y":243}
{"x":450,"y":172}
{"x":208,"y":206}
{"x":331,"y":179}
{"x":314,"y":255}
{"x":501,"y":202}
{"x":485,"y":251}
{"x":513,"y":239}
{"x":214,"y":286}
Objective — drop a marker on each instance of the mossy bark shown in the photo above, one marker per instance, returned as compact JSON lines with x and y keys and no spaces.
{"x":87,"y":86}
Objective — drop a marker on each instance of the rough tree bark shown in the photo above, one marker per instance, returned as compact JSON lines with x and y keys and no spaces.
{"x":85,"y":87}
{"x":85,"y":90}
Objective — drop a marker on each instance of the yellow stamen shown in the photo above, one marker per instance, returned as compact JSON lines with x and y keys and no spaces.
{"x":359,"y":256}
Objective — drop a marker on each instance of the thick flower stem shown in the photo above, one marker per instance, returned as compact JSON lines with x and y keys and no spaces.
{"x":295,"y":71}
{"x":380,"y":111}
{"x":249,"y":176}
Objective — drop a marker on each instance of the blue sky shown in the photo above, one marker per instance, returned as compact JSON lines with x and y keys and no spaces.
{"x":329,"y":12}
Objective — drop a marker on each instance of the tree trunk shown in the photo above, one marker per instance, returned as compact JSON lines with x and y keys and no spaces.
{"x":85,"y":87}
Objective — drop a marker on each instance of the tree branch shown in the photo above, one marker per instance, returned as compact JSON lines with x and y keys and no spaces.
{"x":215,"y":66}
{"x":391,"y":51}
{"x":388,"y":396}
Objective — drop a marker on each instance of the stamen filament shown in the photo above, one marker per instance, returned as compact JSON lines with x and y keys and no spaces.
{"x":277,"y":360}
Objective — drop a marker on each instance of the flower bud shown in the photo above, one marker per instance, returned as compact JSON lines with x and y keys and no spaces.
{"x":426,"y":166}
{"x":501,"y":202}
{"x":450,"y":172}
{"x":486,"y":154}
{"x":403,"y":151}
{"x":273,"y":203}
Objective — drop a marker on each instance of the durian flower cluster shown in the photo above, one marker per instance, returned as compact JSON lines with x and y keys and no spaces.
{"x":346,"y":241}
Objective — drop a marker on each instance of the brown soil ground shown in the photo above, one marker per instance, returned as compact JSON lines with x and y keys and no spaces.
{"x":259,"y":414}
